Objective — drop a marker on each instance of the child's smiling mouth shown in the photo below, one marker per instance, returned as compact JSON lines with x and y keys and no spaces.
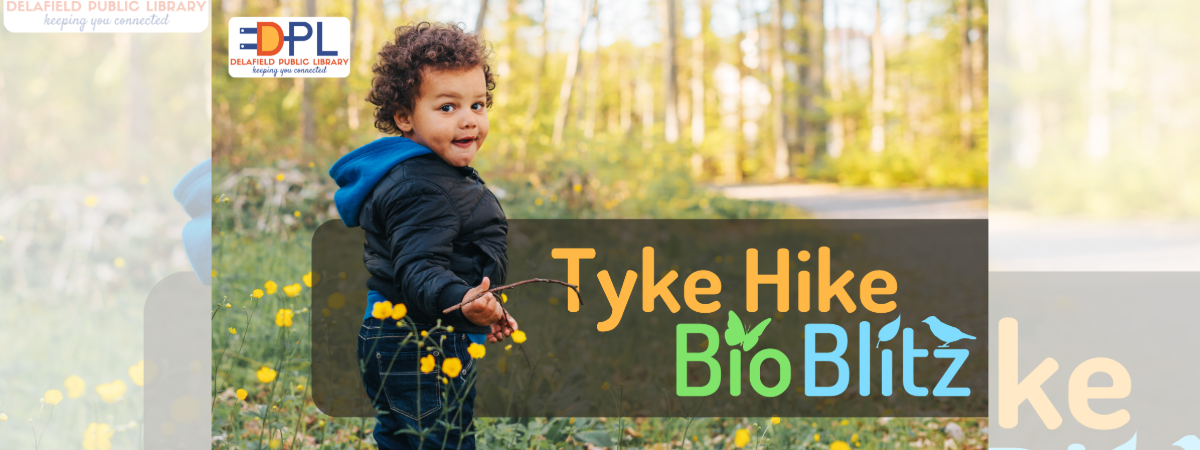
{"x":464,"y":142}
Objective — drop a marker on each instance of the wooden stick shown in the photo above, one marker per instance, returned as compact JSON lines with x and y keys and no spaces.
{"x":510,"y":286}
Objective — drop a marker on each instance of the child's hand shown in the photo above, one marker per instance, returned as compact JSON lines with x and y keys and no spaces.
{"x":499,"y":331}
{"x":484,"y":310}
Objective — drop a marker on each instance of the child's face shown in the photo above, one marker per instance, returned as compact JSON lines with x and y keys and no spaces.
{"x":450,"y":116}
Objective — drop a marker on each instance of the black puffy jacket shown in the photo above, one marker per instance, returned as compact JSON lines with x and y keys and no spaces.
{"x":433,"y":232}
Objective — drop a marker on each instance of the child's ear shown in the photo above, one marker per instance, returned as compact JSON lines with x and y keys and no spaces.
{"x":403,"y":122}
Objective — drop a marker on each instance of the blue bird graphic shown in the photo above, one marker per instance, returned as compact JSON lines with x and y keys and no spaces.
{"x":1131,"y":445}
{"x":1189,"y":443}
{"x":946,"y":333}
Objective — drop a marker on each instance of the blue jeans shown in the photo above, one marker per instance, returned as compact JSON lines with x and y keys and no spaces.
{"x":410,"y":403}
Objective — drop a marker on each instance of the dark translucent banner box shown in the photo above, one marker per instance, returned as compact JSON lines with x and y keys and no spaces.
{"x":878,"y":318}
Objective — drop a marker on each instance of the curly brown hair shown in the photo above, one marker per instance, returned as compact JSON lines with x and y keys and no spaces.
{"x":403,"y":62}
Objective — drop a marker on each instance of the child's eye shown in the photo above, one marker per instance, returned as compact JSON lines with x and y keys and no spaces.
{"x":480,"y":106}
{"x":447,"y":107}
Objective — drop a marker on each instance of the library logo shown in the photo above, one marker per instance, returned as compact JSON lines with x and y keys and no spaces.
{"x":289,"y":47}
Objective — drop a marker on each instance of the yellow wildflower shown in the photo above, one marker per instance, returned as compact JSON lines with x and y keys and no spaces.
{"x":382,"y":310}
{"x":3,"y":417}
{"x":424,"y":333}
{"x":741,"y":438}
{"x":503,"y":298}
{"x":90,"y":201}
{"x":75,"y":386}
{"x":427,"y":364}
{"x":258,"y":293}
{"x":137,"y":373}
{"x":508,"y":350}
{"x":577,"y":187}
{"x":307,"y":279}
{"x":445,"y":380}
{"x":854,"y":438}
{"x":241,"y":394}
{"x":817,"y":437}
{"x":275,"y":442}
{"x":97,"y":436}
{"x":604,"y":387}
{"x":53,"y":396}
{"x":844,"y":422}
{"x":283,"y":318}
{"x":279,"y":177}
{"x":228,"y":305}
{"x":300,"y":387}
{"x":399,"y":311}
{"x":452,"y":366}
{"x":476,"y":351}
{"x":271,"y":287}
{"x":450,"y":328}
{"x":311,"y":164}
{"x":518,"y":336}
{"x":292,"y":290}
{"x":326,"y":312}
{"x":336,"y":300}
{"x":232,"y":330}
{"x":341,"y":275}
{"x":296,"y":213}
{"x":111,"y":392}
{"x":839,"y":445}
{"x":775,"y":420}
{"x":266,"y":374}
{"x":120,"y":262}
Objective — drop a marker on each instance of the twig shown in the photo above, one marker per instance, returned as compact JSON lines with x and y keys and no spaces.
{"x":510,"y":286}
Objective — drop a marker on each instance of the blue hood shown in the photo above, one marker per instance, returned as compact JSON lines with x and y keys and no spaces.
{"x":194,"y":192}
{"x":359,"y":171}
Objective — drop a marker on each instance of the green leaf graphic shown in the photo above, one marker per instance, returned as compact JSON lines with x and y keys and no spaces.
{"x":734,"y":333}
{"x":888,"y":331}
{"x":752,"y":337}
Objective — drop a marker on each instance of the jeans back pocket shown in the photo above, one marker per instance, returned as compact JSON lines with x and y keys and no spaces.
{"x":410,"y":392}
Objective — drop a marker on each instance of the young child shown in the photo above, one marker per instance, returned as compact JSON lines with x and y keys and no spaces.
{"x":435,"y":234}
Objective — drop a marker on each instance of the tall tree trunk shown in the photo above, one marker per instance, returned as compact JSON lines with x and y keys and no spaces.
{"x":536,"y":95}
{"x":910,"y":120}
{"x":628,"y":96}
{"x":352,"y":97}
{"x":670,"y":88}
{"x":979,"y":54}
{"x":646,"y":99}
{"x":782,"y":168}
{"x":813,"y":29}
{"x":965,"y":106}
{"x":482,"y":15}
{"x":837,"y":135}
{"x":612,"y":113}
{"x":308,"y":116}
{"x":697,"y":87}
{"x":878,"y":82}
{"x":1100,"y":26}
{"x":593,"y":98}
{"x":739,"y":148}
{"x":564,"y":94}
